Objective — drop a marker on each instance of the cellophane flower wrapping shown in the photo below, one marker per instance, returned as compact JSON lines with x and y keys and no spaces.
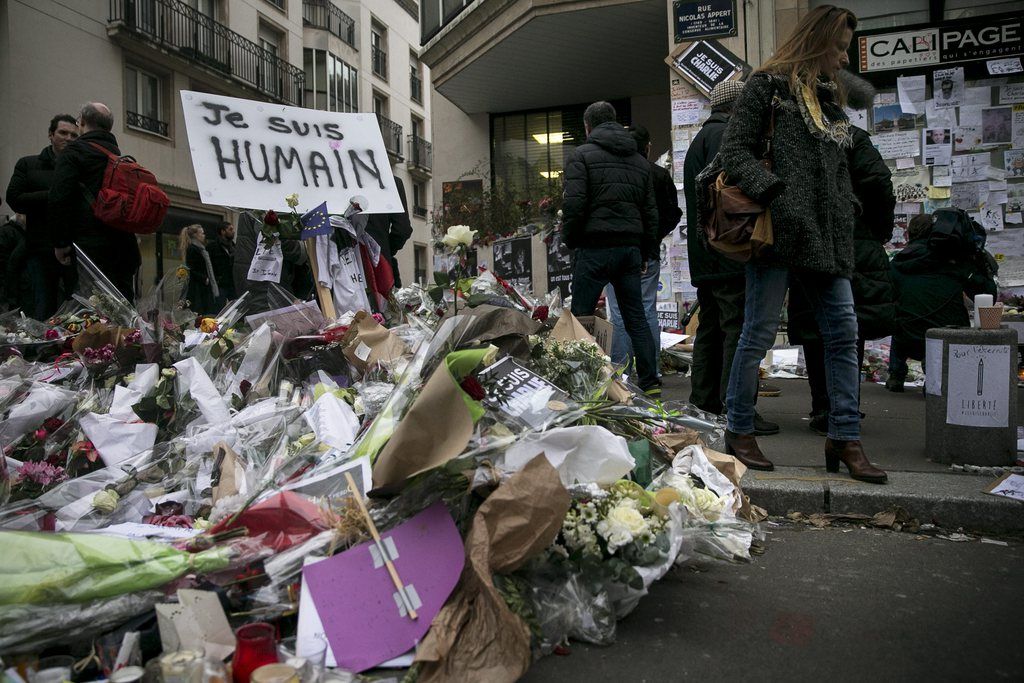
{"x":98,"y":294}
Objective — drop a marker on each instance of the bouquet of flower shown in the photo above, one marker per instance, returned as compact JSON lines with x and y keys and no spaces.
{"x":99,"y":295}
{"x":576,"y":366}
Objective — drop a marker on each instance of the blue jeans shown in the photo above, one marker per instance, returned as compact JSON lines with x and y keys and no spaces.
{"x":622,"y":348}
{"x":832,"y":300}
{"x":595,"y":268}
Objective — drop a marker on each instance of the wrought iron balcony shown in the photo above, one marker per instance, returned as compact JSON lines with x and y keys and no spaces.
{"x":379,"y":62}
{"x":177,"y":28}
{"x":392,"y":133}
{"x":416,"y":87}
{"x":420,"y":154}
{"x":324,"y":14}
{"x":419,"y":211}
{"x":145,"y":123}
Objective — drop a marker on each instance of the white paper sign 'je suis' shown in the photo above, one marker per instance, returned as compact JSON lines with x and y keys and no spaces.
{"x":252,"y":154}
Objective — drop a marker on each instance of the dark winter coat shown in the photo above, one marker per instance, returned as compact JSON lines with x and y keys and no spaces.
{"x":808,"y":189}
{"x":246,"y":235}
{"x":873,"y":294}
{"x":667,"y":200}
{"x":12,"y":257}
{"x":70,"y":213}
{"x":391,"y":231}
{"x":199,"y":293}
{"x":222,"y":259}
{"x":28,"y":193}
{"x":930,"y":289}
{"x":609,"y":194}
{"x":706,"y":264}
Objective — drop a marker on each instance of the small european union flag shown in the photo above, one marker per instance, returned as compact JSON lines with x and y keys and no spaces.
{"x":316,"y":222}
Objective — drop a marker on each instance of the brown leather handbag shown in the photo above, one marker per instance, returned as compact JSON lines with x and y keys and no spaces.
{"x":738,"y":227}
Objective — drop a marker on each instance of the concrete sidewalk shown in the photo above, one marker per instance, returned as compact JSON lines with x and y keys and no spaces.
{"x":893,"y":436}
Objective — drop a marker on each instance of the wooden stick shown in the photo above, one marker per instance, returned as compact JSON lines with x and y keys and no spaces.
{"x":380,"y":545}
{"x":323,"y":293}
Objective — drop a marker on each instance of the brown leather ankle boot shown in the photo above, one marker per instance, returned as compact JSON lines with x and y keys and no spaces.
{"x":744,"y":447}
{"x":851,"y":453}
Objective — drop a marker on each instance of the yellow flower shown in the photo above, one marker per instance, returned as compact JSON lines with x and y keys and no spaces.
{"x":208,"y":325}
{"x":292,"y":200}
{"x":181,"y":272}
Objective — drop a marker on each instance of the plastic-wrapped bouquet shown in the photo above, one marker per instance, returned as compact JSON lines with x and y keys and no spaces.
{"x":574,"y":365}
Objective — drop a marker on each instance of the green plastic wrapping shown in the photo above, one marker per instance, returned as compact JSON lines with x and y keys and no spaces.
{"x":47,"y":568}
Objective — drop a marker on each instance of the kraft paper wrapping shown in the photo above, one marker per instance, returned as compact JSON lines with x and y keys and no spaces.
{"x":506,"y":328}
{"x":475,"y":637}
{"x":568,"y":328}
{"x":368,"y":342}
{"x":436,"y":429}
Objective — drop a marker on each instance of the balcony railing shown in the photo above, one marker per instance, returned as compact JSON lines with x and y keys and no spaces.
{"x":324,"y":14}
{"x":379,"y":62}
{"x":392,"y":133}
{"x":419,"y":211}
{"x":420,"y":153}
{"x":174,"y":26}
{"x":416,"y":87}
{"x":145,"y":123}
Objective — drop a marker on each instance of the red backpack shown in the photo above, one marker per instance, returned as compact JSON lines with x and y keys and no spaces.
{"x":129,"y":198}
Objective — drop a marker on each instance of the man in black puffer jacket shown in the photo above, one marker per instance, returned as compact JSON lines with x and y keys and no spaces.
{"x":610,"y":221}
{"x":115,"y":252}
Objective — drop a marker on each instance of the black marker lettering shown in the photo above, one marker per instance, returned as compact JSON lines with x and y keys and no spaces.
{"x":357,"y":162}
{"x":236,"y":119}
{"x":318,"y":162}
{"x":291,"y":158}
{"x":300,"y":128}
{"x":221,"y":161}
{"x":341,"y":169}
{"x":332,"y":131}
{"x":216,"y":109}
{"x":277,"y":124}
{"x":266,"y":162}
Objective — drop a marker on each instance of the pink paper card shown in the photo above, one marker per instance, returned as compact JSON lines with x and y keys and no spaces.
{"x":357,"y":601}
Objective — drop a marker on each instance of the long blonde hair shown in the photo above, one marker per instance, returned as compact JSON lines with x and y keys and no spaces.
{"x":799,"y":58}
{"x":187,"y":234}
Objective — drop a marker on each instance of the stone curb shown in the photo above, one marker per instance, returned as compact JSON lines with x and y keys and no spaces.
{"x":950,"y":501}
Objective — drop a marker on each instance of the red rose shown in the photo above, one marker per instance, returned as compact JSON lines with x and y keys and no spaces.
{"x":40,"y":434}
{"x":270,"y":218}
{"x":471,"y":385}
{"x":540,"y":313}
{"x":52,"y":424}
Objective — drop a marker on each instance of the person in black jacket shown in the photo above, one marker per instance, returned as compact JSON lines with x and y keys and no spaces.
{"x":720,"y":281}
{"x":930,"y":289}
{"x":203,"y":292}
{"x":294,"y":259}
{"x":27,"y":194}
{"x":221,"y":251}
{"x":12,"y":244}
{"x":77,"y":178}
{"x":610,"y":221}
{"x":873,"y":295}
{"x":668,"y":218}
{"x":391,"y":231}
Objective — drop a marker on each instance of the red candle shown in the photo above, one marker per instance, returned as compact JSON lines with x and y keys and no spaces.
{"x":255,"y":646}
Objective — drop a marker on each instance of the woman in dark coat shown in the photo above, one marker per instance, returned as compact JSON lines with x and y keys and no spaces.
{"x":873,"y":294}
{"x":202,"y":289}
{"x":809,"y":194}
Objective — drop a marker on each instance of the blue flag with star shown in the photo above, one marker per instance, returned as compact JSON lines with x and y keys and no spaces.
{"x":316,"y":222}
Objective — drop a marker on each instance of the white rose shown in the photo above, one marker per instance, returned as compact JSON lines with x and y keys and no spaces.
{"x":458,"y":236}
{"x":292,"y":200}
{"x":620,"y":526}
{"x":106,"y":501}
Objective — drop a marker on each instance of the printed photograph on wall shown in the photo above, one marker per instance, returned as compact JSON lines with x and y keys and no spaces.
{"x":1014,"y":164}
{"x":996,"y":125}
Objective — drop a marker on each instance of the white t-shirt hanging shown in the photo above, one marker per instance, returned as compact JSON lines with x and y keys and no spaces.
{"x":266,"y":262}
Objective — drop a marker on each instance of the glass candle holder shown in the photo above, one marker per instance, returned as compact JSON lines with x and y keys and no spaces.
{"x":255,"y":646}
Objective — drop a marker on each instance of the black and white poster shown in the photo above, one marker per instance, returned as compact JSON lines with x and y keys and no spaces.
{"x":521,"y":393}
{"x":979,"y":385}
{"x":559,"y":266}
{"x":513,"y":261}
{"x":705,"y":64}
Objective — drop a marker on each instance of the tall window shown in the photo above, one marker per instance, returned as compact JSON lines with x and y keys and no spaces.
{"x":419,"y":254}
{"x":379,"y":50}
{"x":415,"y":79}
{"x":331,"y":84}
{"x":270,"y":40}
{"x":380,"y":104}
{"x":419,"y":199}
{"x":144,"y":101}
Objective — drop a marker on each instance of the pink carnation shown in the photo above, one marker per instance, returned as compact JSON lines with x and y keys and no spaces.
{"x":41,"y":473}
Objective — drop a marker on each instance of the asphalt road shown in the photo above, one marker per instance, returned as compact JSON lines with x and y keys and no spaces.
{"x":833,"y":604}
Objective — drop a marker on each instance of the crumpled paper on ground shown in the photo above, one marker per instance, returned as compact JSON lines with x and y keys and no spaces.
{"x":333,"y":421}
{"x":368,"y":343}
{"x":476,"y":637}
{"x":582,"y":455}
{"x":146,"y":376}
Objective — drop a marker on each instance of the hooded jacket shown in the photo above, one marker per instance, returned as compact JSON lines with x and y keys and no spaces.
{"x":609,"y":194}
{"x":930,"y":289}
{"x":706,"y":264}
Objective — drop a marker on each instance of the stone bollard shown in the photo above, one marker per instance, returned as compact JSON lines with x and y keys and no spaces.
{"x":971,"y":396}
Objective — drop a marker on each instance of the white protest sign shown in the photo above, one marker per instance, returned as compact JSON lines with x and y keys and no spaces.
{"x":979,"y":385}
{"x":267,"y":263}
{"x":253,"y":154}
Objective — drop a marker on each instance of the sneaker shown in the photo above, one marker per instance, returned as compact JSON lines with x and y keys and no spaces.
{"x":768,"y":390}
{"x":654,"y":391}
{"x":763,"y":427}
{"x":819,"y":424}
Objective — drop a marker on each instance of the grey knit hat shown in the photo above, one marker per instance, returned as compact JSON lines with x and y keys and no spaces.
{"x":726,"y":92}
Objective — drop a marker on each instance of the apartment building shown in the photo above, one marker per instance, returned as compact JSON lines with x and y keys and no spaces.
{"x":136,"y":55}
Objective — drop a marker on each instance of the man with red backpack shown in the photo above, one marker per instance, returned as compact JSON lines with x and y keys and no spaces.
{"x":77,"y":181}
